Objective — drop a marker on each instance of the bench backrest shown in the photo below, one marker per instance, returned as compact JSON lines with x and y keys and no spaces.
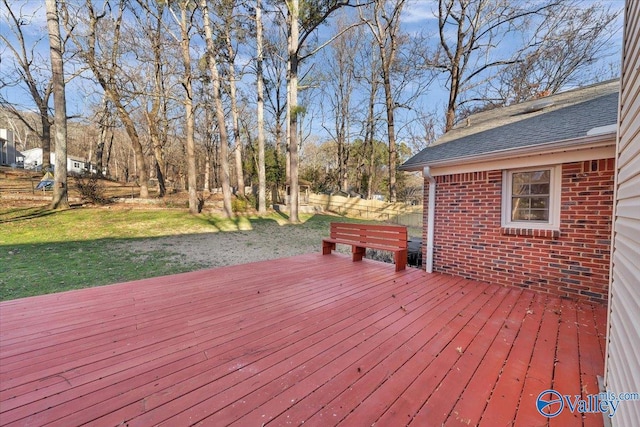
{"x":393,"y":236}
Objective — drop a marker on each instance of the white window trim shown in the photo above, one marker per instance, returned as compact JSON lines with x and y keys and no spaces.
{"x":555,"y":186}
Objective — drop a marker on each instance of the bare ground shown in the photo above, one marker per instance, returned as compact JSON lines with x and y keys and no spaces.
{"x":265,"y":241}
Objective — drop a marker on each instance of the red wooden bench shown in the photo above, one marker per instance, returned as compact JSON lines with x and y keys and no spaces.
{"x":390,"y":238}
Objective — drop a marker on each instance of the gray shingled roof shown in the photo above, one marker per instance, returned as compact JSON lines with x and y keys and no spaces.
{"x":567,"y":115}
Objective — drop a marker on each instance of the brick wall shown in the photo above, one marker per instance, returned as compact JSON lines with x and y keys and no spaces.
{"x":470,"y":242}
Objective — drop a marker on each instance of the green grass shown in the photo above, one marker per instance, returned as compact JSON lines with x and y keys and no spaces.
{"x":40,"y":225}
{"x":43,"y":251}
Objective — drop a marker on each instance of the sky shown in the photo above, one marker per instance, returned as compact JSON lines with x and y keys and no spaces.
{"x":418,"y":18}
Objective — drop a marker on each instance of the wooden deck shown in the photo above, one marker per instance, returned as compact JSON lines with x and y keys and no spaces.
{"x":314,"y":339}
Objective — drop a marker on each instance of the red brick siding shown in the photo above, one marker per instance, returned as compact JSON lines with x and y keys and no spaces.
{"x":470,"y":242}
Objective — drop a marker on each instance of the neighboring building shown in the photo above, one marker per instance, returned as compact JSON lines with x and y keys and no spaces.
{"x":523,"y":195}
{"x":33,"y":161}
{"x":8,"y":153}
{"x":622,"y":366}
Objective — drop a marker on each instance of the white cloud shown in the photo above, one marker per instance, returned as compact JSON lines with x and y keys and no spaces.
{"x":418,"y":11}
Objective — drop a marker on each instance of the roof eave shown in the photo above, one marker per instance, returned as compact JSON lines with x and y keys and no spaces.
{"x":573,"y":144}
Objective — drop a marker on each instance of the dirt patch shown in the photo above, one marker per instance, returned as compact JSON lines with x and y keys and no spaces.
{"x":208,"y":250}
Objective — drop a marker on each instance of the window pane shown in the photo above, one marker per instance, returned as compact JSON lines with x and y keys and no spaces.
{"x":521,"y":189}
{"x":530,"y":193}
{"x":540,"y":176}
{"x":538,"y":215}
{"x":519,"y":215}
{"x":539,"y":189}
{"x":540,"y":202}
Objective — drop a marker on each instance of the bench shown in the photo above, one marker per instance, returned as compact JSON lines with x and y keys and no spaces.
{"x":390,"y":238}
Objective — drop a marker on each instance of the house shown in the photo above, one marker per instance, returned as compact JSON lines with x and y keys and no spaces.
{"x":8,"y":153}
{"x":523,"y":195}
{"x":33,"y":160}
{"x":622,"y":365}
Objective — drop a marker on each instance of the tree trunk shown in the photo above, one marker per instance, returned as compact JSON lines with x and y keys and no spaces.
{"x":207,"y":170}
{"x":156,"y":133}
{"x":60,"y":196}
{"x":107,"y":171}
{"x":140,"y":165}
{"x":278,"y":136}
{"x":368,"y":138}
{"x":107,"y":80}
{"x":262,"y":180}
{"x":391,"y":132}
{"x":45,"y":138}
{"x":102,"y":136}
{"x":160,"y":167}
{"x":292,"y":82}
{"x":234,"y":116}
{"x":188,"y":111}
{"x":385,"y":33}
{"x":224,"y":140}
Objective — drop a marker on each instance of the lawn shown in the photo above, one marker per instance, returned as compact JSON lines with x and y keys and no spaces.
{"x":43,"y":251}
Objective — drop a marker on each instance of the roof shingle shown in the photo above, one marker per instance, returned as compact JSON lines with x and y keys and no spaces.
{"x":567,"y":115}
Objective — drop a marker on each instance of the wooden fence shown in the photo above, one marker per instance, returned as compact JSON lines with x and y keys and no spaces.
{"x":396,"y":213}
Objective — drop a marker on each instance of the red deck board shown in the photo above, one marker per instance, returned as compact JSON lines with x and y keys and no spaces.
{"x":352,"y":364}
{"x":312,"y":368}
{"x":566,"y":373}
{"x":438,"y":407}
{"x":591,"y":360}
{"x":507,"y":391}
{"x":378,"y":366}
{"x":185,"y":381}
{"x":436,"y":329}
{"x":426,"y":362}
{"x":473,"y":399}
{"x":303,"y":353}
{"x":163,"y":349}
{"x":312,"y":338}
{"x":539,"y":376}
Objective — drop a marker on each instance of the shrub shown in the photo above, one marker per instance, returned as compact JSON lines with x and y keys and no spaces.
{"x":91,"y":189}
{"x":243,"y":204}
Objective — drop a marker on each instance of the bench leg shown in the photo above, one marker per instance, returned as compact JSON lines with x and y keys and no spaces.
{"x":400,"y":259}
{"x":358,"y":252}
{"x":327,"y":247}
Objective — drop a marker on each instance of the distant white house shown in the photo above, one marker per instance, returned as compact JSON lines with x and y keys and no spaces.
{"x":33,"y":161}
{"x":8,"y":153}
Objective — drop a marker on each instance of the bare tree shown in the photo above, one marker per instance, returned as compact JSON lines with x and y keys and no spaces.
{"x":372,"y":83}
{"x":477,"y":27}
{"x":105,"y":121}
{"x":385,"y":27}
{"x":571,"y":40}
{"x":230,"y":26}
{"x":100,"y":49}
{"x":155,"y":110}
{"x":184,"y":22}
{"x":293,"y":41}
{"x":262,"y":180}
{"x":554,"y":39}
{"x":338,"y":89}
{"x":29,"y":71}
{"x":275,"y":71}
{"x":219,"y":108}
{"x":60,"y":197}
{"x":306,"y":18}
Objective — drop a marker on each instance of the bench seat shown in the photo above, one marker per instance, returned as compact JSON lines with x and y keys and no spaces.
{"x":389,"y":238}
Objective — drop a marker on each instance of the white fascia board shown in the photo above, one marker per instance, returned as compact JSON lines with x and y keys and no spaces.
{"x":568,"y":151}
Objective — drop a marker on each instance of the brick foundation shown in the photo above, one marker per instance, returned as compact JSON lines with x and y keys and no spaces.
{"x":574,"y":262}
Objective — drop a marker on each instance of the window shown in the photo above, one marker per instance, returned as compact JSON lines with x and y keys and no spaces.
{"x":531,"y":198}
{"x":76,"y":165}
